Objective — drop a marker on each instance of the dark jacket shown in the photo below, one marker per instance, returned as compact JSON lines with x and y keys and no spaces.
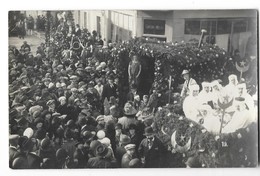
{"x":109,"y":91}
{"x":13,"y":153}
{"x":34,"y":161}
{"x":99,"y":162}
{"x":153,"y":156}
{"x":126,"y":160}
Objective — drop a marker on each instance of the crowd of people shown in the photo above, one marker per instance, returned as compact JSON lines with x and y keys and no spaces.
{"x":65,"y":112}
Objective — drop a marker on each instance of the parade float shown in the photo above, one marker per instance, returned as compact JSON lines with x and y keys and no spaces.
{"x":162,"y":64}
{"x":185,"y":138}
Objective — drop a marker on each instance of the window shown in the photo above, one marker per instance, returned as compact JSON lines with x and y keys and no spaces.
{"x":192,"y":27}
{"x":156,"y":27}
{"x":224,"y":27}
{"x":210,"y":26}
{"x":240,"y":26}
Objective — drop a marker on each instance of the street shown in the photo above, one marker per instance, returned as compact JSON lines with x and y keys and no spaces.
{"x":34,"y":41}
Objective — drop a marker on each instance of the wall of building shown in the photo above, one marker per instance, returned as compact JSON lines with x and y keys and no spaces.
{"x":155,"y":15}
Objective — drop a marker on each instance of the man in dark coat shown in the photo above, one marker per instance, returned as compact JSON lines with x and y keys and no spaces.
{"x":110,"y":89}
{"x":101,"y":161}
{"x":13,"y":148}
{"x":151,"y":150}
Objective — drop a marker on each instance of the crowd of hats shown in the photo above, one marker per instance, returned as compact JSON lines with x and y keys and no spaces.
{"x":211,"y":150}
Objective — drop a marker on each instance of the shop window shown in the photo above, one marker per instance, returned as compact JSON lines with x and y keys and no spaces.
{"x":156,"y":27}
{"x":192,"y":27}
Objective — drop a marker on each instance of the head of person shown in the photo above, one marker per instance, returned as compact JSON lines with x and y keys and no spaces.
{"x":118,"y":128}
{"x":239,"y":103}
{"x":205,"y":110}
{"x":232,"y":79}
{"x":130,"y":149}
{"x":132,"y":129}
{"x":241,"y":88}
{"x":195,"y":89}
{"x":135,"y":58}
{"x":145,"y":98}
{"x":186,"y":75}
{"x":206,"y":86}
{"x":110,"y":80}
{"x":149,"y":133}
{"x":215,"y":85}
{"x":100,"y":119}
{"x":62,"y":100}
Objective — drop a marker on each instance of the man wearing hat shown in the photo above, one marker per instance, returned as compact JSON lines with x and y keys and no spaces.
{"x":110,"y":89}
{"x":120,"y":151}
{"x":188,"y":82}
{"x":13,"y":148}
{"x":101,"y":161}
{"x":151,"y":150}
{"x":129,"y":116}
{"x":128,"y":156}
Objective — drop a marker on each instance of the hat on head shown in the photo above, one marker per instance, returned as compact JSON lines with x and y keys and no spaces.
{"x":93,"y":145}
{"x":62,"y":98}
{"x":58,"y":85}
{"x":194,"y":87}
{"x":74,"y":89}
{"x":45,"y":143}
{"x":105,"y":141}
{"x":148,"y":131}
{"x":13,"y":139}
{"x":28,"y":132}
{"x":61,"y":154}
{"x":145,"y":114}
{"x":101,"y":150}
{"x":87,"y":135}
{"x":185,"y":72}
{"x":20,"y":163}
{"x":50,"y":102}
{"x":132,"y":126}
{"x":130,"y":146}
{"x":232,"y":76}
{"x":101,"y":134}
{"x":129,"y":109}
{"x":73,"y":77}
{"x":124,"y":139}
{"x":205,"y":84}
{"x":99,"y":118}
{"x":135,"y":163}
{"x":118,"y":126}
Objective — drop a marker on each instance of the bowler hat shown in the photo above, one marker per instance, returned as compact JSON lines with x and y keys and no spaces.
{"x":124,"y":139}
{"x":148,"y":131}
{"x":101,"y":150}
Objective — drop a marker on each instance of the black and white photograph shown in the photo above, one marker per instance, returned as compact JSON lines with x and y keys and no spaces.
{"x":100,"y":89}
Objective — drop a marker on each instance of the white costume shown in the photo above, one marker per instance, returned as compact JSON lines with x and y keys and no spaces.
{"x":241,"y":118}
{"x":229,"y":89}
{"x":191,"y":104}
{"x":211,"y":122}
{"x":217,"y":91}
{"x":205,"y":95}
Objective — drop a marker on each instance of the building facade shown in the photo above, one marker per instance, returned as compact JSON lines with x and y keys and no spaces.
{"x":230,"y":29}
